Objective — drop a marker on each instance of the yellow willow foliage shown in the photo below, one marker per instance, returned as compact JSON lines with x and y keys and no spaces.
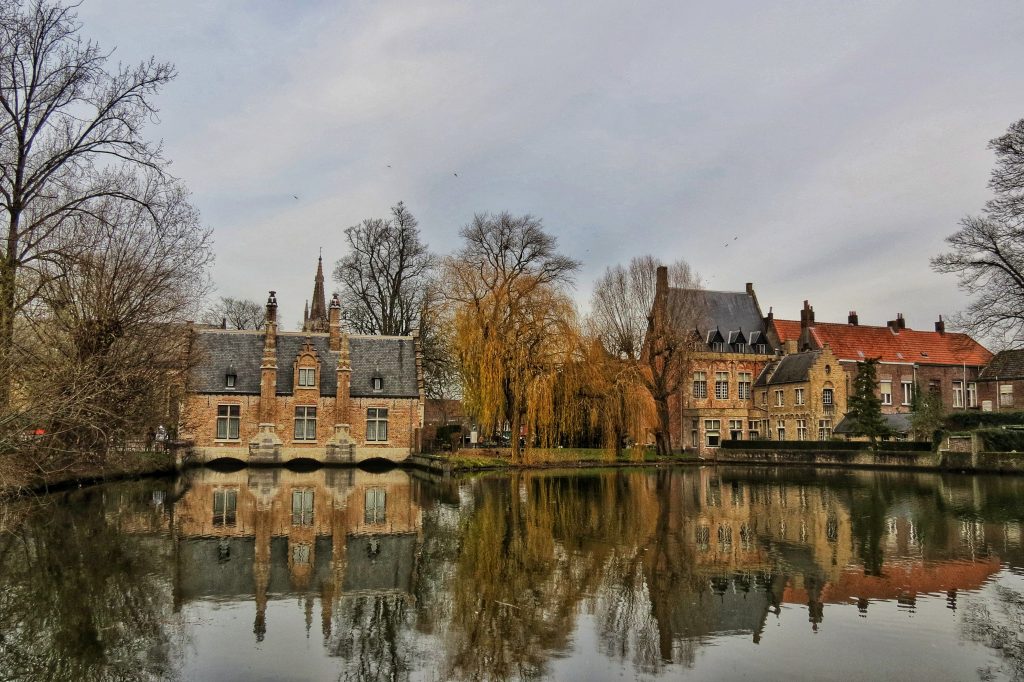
{"x":512,"y":341}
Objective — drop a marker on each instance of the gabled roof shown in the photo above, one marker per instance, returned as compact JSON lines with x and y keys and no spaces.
{"x":726,"y":312}
{"x":391,"y":358}
{"x":898,"y":423}
{"x":1007,"y":364}
{"x":790,"y":369}
{"x":859,"y":342}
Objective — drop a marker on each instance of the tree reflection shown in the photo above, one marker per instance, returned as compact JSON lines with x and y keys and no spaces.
{"x":79,"y":598}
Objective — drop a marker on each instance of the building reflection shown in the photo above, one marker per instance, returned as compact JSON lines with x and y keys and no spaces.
{"x":322,"y":536}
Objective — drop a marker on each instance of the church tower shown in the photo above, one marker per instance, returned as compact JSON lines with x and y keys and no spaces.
{"x":315,"y":319}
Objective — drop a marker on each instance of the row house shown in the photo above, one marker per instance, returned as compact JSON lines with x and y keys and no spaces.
{"x":1001,"y":382}
{"x":944,"y":363}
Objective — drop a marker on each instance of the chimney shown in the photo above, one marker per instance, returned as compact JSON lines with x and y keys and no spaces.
{"x":940,"y":326}
{"x":807,"y":316}
{"x":750,"y":288}
{"x":334,"y":319}
{"x":789,"y":346}
{"x":897,"y":324}
{"x":900,"y":321}
{"x":852,"y":318}
{"x":771,"y":316}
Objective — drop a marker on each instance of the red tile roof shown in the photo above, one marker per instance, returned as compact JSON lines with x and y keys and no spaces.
{"x":859,"y":342}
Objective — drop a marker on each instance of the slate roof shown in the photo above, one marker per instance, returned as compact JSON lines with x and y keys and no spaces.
{"x":727,"y":313}
{"x":897,"y":423}
{"x":859,"y":342}
{"x":790,"y":369}
{"x":1007,"y":364}
{"x":391,"y":358}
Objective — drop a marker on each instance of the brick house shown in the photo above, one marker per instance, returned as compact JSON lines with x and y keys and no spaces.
{"x":801,"y":396}
{"x":1001,"y":382}
{"x":273,"y":396}
{"x":941,"y":362}
{"x":731,"y":347}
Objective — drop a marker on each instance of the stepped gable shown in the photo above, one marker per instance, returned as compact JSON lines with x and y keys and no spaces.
{"x":790,"y":369}
{"x":390,"y":358}
{"x":1007,"y":364}
{"x":851,"y":342}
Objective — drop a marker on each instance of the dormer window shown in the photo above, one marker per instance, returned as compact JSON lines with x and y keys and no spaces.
{"x":229,"y":380}
{"x":762,"y":348}
{"x":307,"y":376}
{"x":718,"y":346}
{"x":377,"y":384}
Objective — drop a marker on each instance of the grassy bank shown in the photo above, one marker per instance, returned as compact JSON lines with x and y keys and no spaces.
{"x":486,"y":458}
{"x":20,"y":474}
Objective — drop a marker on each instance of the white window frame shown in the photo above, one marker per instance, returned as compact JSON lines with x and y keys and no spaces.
{"x":721,"y":385}
{"x":885,"y":391}
{"x":780,"y":429}
{"x":700,"y":385}
{"x":798,"y":394}
{"x":376,"y":421}
{"x":307,"y":377}
{"x":958,"y":393}
{"x":908,"y":391}
{"x":972,"y":394}
{"x":824,"y":429}
{"x":229,"y":415}
{"x":801,"y":429}
{"x":780,"y":398}
{"x":1005,"y":395}
{"x":712,"y":429}
{"x":745,"y":382}
{"x":305,"y":415}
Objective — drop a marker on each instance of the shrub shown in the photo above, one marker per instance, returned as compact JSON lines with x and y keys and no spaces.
{"x":830,"y":445}
{"x":1002,"y":440}
{"x":962,"y":421}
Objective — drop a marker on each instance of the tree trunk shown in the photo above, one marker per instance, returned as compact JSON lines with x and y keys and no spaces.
{"x":516,"y":426}
{"x":662,"y":436}
{"x":8,"y":280}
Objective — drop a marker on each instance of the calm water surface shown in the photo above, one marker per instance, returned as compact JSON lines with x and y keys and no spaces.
{"x":341,"y":574}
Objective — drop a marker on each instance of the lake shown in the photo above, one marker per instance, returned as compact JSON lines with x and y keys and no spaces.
{"x":343,"y":574}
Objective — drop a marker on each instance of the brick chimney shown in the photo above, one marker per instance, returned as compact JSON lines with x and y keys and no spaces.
{"x":852,"y":318}
{"x":897,"y":324}
{"x":334,"y":320}
{"x":807,"y":316}
{"x":750,"y":288}
{"x":770,"y":317}
{"x":940,"y":326}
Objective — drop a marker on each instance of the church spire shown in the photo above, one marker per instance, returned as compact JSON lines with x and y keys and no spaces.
{"x":317,"y":320}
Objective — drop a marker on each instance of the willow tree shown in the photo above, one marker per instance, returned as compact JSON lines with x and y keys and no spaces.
{"x":648,"y":327}
{"x":512,"y":318}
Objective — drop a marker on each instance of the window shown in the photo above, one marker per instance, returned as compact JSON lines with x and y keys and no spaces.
{"x":753,"y":429}
{"x":1006,"y":395}
{"x":694,"y":437}
{"x":721,"y":385}
{"x":229,"y":380}
{"x":824,"y":429}
{"x":958,"y":394}
{"x":302,"y":507}
{"x":761,"y":348}
{"x":718,"y":346}
{"x":741,"y":348}
{"x":375,"y":507}
{"x":300,"y":554}
{"x":376,"y":424}
{"x":305,"y":423}
{"x":780,"y":427}
{"x":799,"y":395}
{"x":746,"y":378}
{"x":908,"y":392}
{"x":307,"y":376}
{"x":736,"y":429}
{"x":780,"y":399}
{"x":711,"y":432}
{"x":972,"y":394}
{"x":225,"y":506}
{"x":377,"y":384}
{"x":228,"y":421}
{"x":801,"y":429}
{"x":700,"y":385}
{"x":764,"y":397}
{"x":885,"y":387}
{"x":826,"y":401}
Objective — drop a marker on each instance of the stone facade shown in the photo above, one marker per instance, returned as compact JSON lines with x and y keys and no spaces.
{"x":805,"y":404}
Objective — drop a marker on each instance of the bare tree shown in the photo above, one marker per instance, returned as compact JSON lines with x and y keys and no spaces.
{"x":69,"y":127}
{"x":512,"y":317}
{"x":987,"y":252}
{"x":107,"y":343}
{"x":650,"y":329}
{"x":235,"y":313}
{"x":385,"y":274}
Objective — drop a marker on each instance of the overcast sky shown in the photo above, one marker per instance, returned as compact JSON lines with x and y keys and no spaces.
{"x":819,"y":150}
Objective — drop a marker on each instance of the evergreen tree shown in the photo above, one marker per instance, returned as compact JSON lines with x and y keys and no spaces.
{"x":928,"y":414}
{"x":865,"y":408}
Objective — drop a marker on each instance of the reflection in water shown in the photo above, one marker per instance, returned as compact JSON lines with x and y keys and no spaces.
{"x":345,"y":574}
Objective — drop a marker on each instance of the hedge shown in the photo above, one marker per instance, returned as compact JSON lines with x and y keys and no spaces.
{"x":834,"y":445}
{"x":962,"y":421}
{"x":1002,"y":440}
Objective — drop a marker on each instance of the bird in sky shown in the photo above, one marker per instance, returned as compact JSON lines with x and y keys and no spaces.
{"x":389,"y":165}
{"x":295,"y":196}
{"x":455,"y":174}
